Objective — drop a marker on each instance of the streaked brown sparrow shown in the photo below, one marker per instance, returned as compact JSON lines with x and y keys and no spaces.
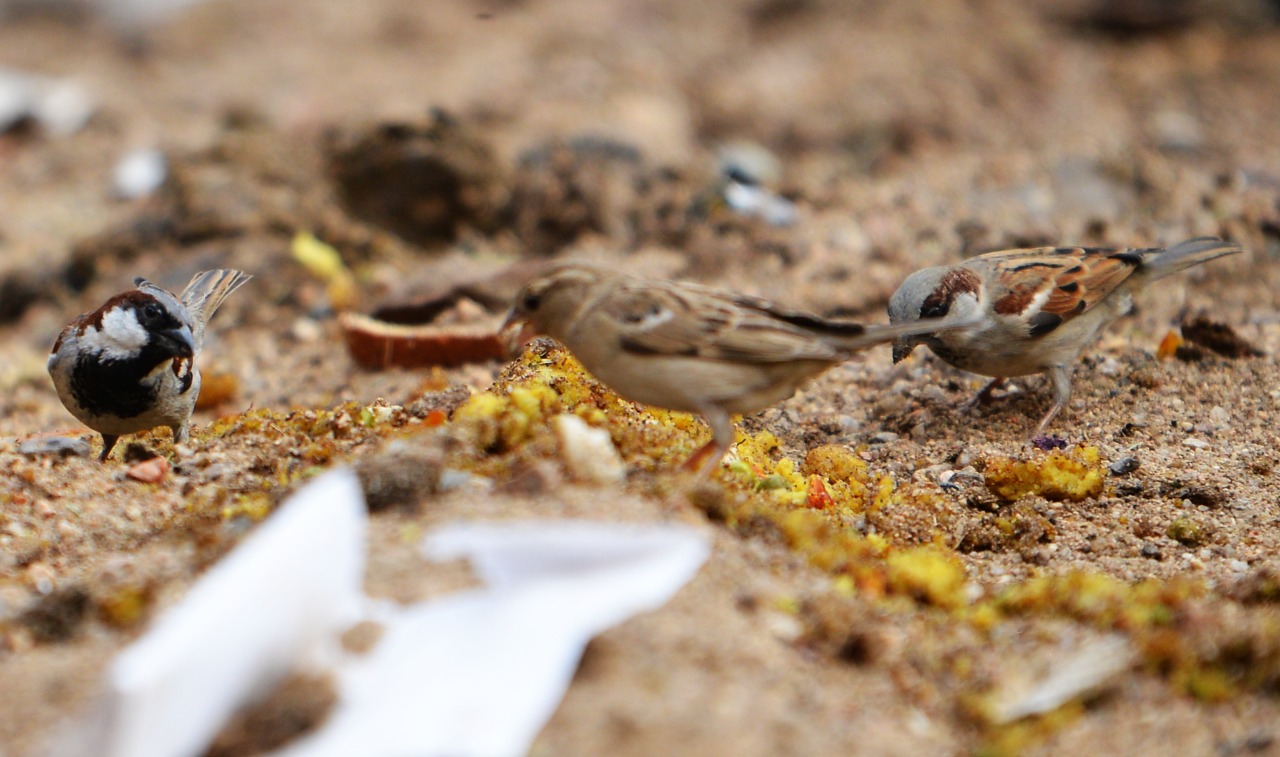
{"x":1036,"y":309}
{"x":686,"y":347}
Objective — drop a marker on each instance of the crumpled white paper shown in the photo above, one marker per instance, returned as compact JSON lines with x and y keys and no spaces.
{"x":479,"y":673}
{"x":275,"y":602}
{"x":475,"y":673}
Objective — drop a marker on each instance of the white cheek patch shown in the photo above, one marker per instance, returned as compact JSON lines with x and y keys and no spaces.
{"x":653,"y":320}
{"x":965,"y":306}
{"x":121,"y":335}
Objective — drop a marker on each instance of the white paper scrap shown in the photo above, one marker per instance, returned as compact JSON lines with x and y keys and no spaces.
{"x":288,"y":590}
{"x":479,"y":673}
{"x":1079,"y":672}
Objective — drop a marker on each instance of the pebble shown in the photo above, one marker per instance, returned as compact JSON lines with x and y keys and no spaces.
{"x":891,"y":403}
{"x":1177,"y":130}
{"x":149,"y":471}
{"x":785,"y":628}
{"x":307,"y":330}
{"x":1192,"y":441}
{"x":1124,"y":466}
{"x":1219,"y":416}
{"x":884,"y":437}
{"x":1110,"y":367}
{"x":933,"y":393}
{"x":62,"y":446}
{"x":1238,"y":566}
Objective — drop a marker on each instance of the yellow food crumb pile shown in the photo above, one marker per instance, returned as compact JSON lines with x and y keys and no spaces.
{"x":514,"y":415}
{"x":1072,"y":474}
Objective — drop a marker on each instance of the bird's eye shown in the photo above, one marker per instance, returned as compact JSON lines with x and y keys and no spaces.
{"x":531,"y":302}
{"x":934,"y":309}
{"x":151,"y":311}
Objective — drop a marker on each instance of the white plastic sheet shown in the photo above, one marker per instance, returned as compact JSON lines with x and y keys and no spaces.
{"x":475,"y":673}
{"x":479,"y":673}
{"x":274,"y":603}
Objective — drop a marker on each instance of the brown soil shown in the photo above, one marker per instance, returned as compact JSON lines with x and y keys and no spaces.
{"x":909,"y":133}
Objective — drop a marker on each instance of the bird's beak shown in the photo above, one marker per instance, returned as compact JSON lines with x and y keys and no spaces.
{"x":178,"y":342}
{"x":901,"y":349}
{"x":515,"y":332}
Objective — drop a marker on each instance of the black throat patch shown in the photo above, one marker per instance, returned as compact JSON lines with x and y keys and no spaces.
{"x":116,"y":387}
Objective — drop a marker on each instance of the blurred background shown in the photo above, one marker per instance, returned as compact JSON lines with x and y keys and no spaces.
{"x":413,"y":157}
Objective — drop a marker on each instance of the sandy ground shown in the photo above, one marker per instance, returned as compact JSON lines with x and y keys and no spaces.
{"x":908,"y":134}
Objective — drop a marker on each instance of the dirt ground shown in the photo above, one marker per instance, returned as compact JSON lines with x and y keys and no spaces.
{"x":438,"y":144}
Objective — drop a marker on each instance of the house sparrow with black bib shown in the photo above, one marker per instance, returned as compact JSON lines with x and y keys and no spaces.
{"x":686,"y":347}
{"x":129,"y":366}
{"x":1037,"y":309}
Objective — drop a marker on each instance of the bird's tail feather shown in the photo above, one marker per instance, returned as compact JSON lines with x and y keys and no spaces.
{"x":1186,"y":254}
{"x":873,"y":334}
{"x":205,"y":293}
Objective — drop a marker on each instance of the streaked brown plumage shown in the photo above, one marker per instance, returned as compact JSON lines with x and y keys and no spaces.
{"x":1036,"y":309}
{"x":686,"y":347}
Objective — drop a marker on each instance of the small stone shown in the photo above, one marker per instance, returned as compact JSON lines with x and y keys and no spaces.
{"x":533,"y":478}
{"x":1238,"y":566}
{"x":150,"y":471}
{"x":1219,"y":416}
{"x":1192,"y":441}
{"x":445,"y":401}
{"x":891,"y":403}
{"x":933,"y":393}
{"x":402,"y":474}
{"x":1151,"y":551}
{"x":1046,"y":443}
{"x":1177,"y":130}
{"x":1109,"y":367}
{"x":1187,"y":532}
{"x":1124,"y":466}
{"x":57,"y":616}
{"x":306,"y":330}
{"x":884,"y":437}
{"x":61,"y":446}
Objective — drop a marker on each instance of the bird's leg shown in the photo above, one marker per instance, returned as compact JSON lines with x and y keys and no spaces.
{"x":1060,"y":377}
{"x":709,"y":455}
{"x":983,"y":396}
{"x":108,"y":444}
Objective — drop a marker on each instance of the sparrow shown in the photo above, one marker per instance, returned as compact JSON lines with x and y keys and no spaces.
{"x":129,"y":366}
{"x":1036,"y":309}
{"x":686,"y":347}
